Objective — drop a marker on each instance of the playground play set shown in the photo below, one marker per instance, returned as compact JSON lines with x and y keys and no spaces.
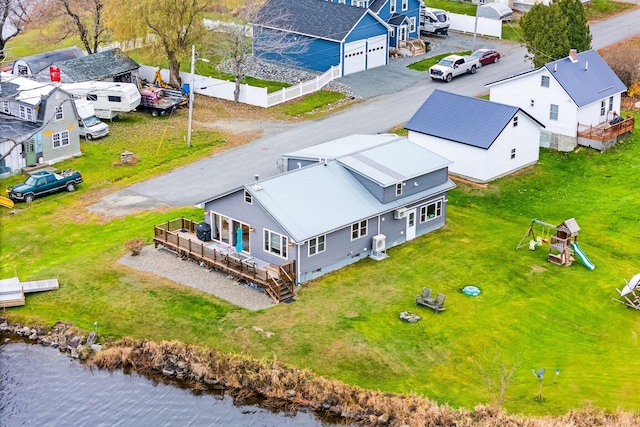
{"x":561,"y":244}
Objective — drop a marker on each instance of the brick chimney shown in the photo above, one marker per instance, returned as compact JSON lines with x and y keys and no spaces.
{"x":573,"y":55}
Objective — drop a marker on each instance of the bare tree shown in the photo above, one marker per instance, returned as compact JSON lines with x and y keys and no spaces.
{"x":82,"y":18}
{"x":496,"y":372}
{"x":624,"y":62}
{"x":239,"y":40}
{"x":14,"y":15}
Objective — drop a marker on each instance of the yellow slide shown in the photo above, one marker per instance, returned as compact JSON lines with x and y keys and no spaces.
{"x":7,"y":203}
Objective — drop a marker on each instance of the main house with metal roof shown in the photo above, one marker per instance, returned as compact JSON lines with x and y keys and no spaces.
{"x":108,"y":66}
{"x":38,"y":124}
{"x":318,"y":35}
{"x":345,"y":207}
{"x":579,"y":90}
{"x":485,"y":140}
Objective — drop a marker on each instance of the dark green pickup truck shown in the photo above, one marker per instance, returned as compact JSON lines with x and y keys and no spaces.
{"x":43,"y":183}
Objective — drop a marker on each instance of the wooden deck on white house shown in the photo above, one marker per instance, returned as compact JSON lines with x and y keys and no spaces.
{"x":12,"y":290}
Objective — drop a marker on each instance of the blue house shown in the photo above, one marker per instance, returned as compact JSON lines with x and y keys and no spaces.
{"x":403,"y":16}
{"x":318,"y":35}
{"x":347,"y":205}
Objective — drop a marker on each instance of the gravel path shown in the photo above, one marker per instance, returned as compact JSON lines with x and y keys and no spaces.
{"x":164,"y":263}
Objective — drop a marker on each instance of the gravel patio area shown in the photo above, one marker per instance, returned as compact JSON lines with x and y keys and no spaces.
{"x":165,"y":263}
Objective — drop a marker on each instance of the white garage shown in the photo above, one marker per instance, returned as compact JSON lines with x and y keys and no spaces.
{"x":354,"y":58}
{"x":376,"y":51}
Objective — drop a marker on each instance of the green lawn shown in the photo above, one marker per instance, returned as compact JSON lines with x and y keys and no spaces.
{"x":345,"y":325}
{"x":425,"y":64}
{"x":310,"y":103}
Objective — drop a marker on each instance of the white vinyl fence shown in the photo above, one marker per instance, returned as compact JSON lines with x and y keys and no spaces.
{"x":465,"y":23}
{"x":248,"y":94}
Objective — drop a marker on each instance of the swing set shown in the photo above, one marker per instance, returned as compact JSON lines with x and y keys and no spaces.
{"x":543,"y":237}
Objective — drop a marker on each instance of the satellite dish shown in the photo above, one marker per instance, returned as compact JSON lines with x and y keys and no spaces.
{"x":540,"y":373}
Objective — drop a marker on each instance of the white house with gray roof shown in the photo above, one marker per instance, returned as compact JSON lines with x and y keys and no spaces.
{"x":580,"y":89}
{"x":38,"y":124}
{"x":485,"y":140}
{"x":327,"y":215}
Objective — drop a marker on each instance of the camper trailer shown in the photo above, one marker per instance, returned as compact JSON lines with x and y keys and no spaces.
{"x":90,"y":126}
{"x":433,"y":21}
{"x":108,"y":98}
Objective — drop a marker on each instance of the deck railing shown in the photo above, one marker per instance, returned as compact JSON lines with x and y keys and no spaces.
{"x":168,"y":235}
{"x":601,"y":134}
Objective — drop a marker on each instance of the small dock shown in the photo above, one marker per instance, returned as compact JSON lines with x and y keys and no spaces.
{"x":12,"y":290}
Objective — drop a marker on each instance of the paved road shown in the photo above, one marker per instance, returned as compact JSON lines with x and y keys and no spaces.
{"x":208,"y":177}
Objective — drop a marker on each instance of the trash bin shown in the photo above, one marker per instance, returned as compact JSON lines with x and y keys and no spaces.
{"x":203,"y":231}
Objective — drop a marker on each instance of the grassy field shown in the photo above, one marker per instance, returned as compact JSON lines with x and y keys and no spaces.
{"x":345,"y":325}
{"x":425,"y":64}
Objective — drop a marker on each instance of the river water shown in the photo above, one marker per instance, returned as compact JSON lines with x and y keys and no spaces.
{"x":40,"y":386}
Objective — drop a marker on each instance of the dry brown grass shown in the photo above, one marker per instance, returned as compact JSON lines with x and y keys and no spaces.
{"x":271,"y":379}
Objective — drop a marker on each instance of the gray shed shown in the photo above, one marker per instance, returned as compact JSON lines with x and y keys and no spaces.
{"x":31,"y":65}
{"x":497,"y":11}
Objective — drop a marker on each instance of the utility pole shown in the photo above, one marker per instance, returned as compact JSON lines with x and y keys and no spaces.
{"x":475,"y":29}
{"x":193,"y":64}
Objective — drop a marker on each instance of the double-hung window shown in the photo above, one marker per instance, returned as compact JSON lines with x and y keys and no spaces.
{"x":59,"y":115}
{"x":515,"y":122}
{"x":399,"y":189}
{"x":359,"y":229}
{"x":275,"y":243}
{"x":392,"y":6}
{"x":5,"y":106}
{"x":317,"y":245}
{"x":405,"y":5}
{"x":602,"y":107}
{"x":412,"y":24}
{"x":60,"y":139}
{"x":544,"y":81}
{"x":553,"y":112}
{"x":248,"y":198}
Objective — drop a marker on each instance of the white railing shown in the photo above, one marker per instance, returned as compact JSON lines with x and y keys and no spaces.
{"x":251,"y":95}
{"x":465,"y":23}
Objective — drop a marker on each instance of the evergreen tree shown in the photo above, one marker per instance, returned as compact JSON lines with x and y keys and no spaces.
{"x":551,"y":31}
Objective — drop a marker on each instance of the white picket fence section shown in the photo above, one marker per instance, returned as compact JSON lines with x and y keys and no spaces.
{"x":251,"y":95}
{"x":465,"y":23}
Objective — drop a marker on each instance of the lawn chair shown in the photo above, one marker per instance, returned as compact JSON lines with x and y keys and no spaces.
{"x":438,"y":304}
{"x":425,"y":297}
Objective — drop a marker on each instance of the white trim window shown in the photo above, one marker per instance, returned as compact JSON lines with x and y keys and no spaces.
{"x":59,"y":115}
{"x":544,"y":81}
{"x":405,"y":5}
{"x":29,"y":114}
{"x":611,"y":103}
{"x":359,"y":229}
{"x":392,"y":6}
{"x":513,"y":153}
{"x":412,"y":24}
{"x":317,"y":245}
{"x":23,"y":112}
{"x":553,"y":112}
{"x":359,"y":3}
{"x":399,"y":189}
{"x":60,"y":139}
{"x":392,"y":32}
{"x":515,"y":122}
{"x":275,"y":243}
{"x":5,"y":107}
{"x":431,"y":211}
{"x":602,"y":107}
{"x":248,"y":198}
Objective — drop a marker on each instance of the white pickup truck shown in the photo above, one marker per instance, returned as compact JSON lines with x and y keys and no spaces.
{"x":452,"y":66}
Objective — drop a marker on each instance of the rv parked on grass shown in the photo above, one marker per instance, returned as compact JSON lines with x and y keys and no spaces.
{"x":91,"y":127}
{"x":108,"y":98}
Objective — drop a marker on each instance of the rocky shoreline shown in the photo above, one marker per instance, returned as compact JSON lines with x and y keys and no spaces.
{"x":278,"y":386}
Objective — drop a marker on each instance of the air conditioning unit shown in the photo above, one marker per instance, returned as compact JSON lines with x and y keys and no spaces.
{"x":379,"y":242}
{"x":400,"y":213}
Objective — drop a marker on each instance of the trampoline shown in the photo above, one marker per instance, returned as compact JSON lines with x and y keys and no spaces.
{"x":472,"y":291}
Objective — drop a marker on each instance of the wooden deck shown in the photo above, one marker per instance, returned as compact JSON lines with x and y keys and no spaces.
{"x":179,"y":236}
{"x":12,"y":290}
{"x":605,"y":131}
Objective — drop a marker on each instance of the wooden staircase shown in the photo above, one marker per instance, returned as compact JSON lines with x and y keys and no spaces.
{"x":281,"y":288}
{"x":416,"y":47}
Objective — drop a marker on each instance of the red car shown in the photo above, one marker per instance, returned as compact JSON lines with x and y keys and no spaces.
{"x":486,"y":56}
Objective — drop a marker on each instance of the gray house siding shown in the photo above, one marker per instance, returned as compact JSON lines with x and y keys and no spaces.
{"x":292,"y":163}
{"x":340,"y":251}
{"x":424,"y":181}
{"x":234,"y":207}
{"x":374,"y":188}
{"x":388,"y":194}
{"x":68,"y":123}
